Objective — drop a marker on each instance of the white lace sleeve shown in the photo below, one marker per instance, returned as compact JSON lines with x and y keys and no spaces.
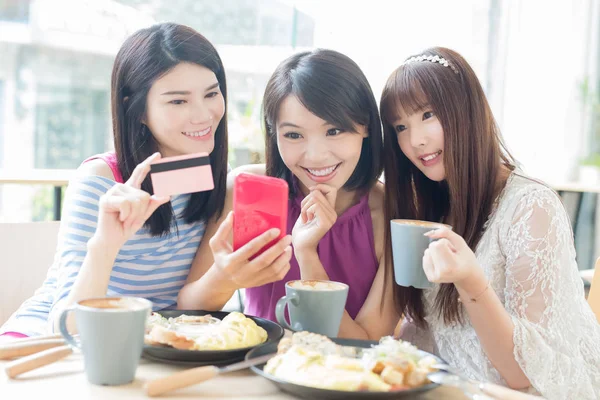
{"x":556,"y":336}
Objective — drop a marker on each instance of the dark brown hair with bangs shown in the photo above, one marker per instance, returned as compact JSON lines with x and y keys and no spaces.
{"x":331,"y":86}
{"x":473,"y":157}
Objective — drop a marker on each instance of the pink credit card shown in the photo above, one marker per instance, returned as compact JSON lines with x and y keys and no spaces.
{"x":181,"y":174}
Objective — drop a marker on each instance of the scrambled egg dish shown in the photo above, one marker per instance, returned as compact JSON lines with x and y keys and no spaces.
{"x":313,"y":360}
{"x":186,"y":332}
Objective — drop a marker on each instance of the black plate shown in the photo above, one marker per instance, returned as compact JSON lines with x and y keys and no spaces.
{"x":209,"y":357}
{"x":316,"y":393}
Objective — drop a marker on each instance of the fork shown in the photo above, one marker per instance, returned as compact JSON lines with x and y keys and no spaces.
{"x":448,"y":368}
{"x":452,"y":377}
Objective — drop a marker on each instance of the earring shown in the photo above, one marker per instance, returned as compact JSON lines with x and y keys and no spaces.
{"x":145,"y":131}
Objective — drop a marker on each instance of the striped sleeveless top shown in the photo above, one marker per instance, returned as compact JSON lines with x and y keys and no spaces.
{"x":155,"y":268}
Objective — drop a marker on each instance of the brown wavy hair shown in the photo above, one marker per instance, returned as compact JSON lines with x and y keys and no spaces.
{"x":474,"y":154}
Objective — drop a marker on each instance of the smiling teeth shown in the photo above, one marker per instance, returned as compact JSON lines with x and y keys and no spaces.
{"x":322,"y":172}
{"x":197,"y":133}
{"x":432,"y":156}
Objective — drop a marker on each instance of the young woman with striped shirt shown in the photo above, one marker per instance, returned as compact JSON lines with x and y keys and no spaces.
{"x":116,"y":239}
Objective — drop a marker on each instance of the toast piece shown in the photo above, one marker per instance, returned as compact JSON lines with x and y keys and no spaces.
{"x":159,"y":330}
{"x":161,"y":335}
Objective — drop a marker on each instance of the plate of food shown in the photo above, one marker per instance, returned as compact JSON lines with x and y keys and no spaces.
{"x":202,"y":338}
{"x":317,"y":367}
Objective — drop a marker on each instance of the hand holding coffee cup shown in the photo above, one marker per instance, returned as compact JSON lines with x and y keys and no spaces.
{"x":111,"y":333}
{"x":409,"y":244}
{"x":314,"y":305}
{"x":450,"y":260}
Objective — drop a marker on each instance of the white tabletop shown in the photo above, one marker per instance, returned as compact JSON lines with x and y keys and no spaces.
{"x":66,"y":380}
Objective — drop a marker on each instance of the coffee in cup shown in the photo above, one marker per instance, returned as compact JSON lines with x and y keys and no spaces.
{"x":111,"y":336}
{"x":314,"y":305}
{"x":316,"y":285}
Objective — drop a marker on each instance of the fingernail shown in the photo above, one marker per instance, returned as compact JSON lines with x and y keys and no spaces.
{"x":275,"y":232}
{"x":429,"y":233}
{"x":288,"y":239}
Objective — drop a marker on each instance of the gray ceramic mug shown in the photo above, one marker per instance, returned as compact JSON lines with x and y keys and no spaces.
{"x":111,"y":332}
{"x":408,"y":247}
{"x":313,"y":305}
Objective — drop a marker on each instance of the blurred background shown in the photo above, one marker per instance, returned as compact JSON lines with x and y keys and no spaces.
{"x":538,"y":62}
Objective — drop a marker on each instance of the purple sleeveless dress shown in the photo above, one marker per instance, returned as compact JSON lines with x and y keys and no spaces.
{"x":347,"y":253}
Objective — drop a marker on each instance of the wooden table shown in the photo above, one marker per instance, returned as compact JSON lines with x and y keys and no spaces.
{"x":66,"y":380}
{"x":55,"y":177}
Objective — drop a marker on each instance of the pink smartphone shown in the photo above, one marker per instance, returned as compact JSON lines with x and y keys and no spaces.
{"x":259,"y":204}
{"x":181,"y":174}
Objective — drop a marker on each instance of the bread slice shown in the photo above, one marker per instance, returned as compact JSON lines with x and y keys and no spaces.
{"x":161,"y":335}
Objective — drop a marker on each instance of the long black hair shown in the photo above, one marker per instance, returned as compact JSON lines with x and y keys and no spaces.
{"x":146,"y":56}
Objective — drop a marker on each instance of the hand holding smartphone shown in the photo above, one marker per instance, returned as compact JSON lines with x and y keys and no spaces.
{"x":259,"y":204}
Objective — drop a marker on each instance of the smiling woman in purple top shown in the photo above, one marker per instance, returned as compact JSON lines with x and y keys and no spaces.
{"x":324,"y":138}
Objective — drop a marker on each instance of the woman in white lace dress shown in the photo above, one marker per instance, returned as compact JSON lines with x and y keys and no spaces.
{"x":507,"y":304}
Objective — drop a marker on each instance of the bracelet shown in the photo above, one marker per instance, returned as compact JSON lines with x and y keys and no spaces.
{"x":474,"y":299}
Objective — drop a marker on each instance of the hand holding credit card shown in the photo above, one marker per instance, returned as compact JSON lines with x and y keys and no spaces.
{"x":181,"y":174}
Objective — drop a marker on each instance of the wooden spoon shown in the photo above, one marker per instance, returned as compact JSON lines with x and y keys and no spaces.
{"x":197,"y":375}
{"x":33,"y":361}
{"x":25,"y":347}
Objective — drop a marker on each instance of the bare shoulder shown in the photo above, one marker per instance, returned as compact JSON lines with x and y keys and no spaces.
{"x":95,"y":167}
{"x":376,"y":198}
{"x":376,"y":205}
